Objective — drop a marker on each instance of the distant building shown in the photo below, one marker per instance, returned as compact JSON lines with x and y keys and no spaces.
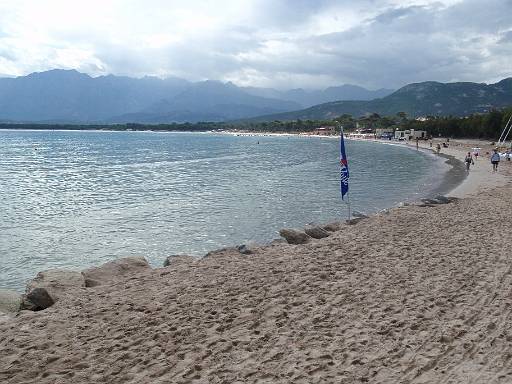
{"x":363,"y":133}
{"x":410,"y":134}
{"x":325,"y":131}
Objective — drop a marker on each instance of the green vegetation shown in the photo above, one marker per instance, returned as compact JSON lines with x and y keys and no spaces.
{"x":481,"y":126}
{"x":485,"y":126}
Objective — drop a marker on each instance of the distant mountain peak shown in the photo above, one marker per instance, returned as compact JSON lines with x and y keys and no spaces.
{"x":58,"y":73}
{"x":417,"y":99}
{"x":62,"y":95}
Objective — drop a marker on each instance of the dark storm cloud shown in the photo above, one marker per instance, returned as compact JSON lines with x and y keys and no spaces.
{"x":408,"y":44}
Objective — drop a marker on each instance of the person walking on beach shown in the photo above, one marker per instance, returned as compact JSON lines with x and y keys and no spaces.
{"x":438,"y":148}
{"x":495,"y":160}
{"x":469,"y":161}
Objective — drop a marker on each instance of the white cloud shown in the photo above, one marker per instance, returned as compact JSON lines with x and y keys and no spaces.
{"x":281,"y":43}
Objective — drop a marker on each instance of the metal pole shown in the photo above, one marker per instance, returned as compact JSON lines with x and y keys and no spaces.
{"x":348,"y":203}
{"x":508,"y":131}
{"x":502,"y":132}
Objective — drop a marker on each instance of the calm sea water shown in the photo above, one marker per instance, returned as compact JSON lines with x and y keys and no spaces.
{"x":77,"y":199}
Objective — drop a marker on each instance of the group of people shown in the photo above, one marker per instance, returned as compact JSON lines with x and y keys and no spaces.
{"x":495,"y":159}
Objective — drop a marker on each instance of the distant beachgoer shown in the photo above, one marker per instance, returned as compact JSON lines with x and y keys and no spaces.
{"x":438,"y":148}
{"x":508,"y":154}
{"x":475,"y":154}
{"x":417,"y":143}
{"x":468,"y":160}
{"x":495,"y":160}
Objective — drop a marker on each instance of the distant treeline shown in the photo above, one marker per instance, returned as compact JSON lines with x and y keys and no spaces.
{"x":274,"y":126}
{"x":481,"y":126}
{"x":293,"y":126}
{"x":206,"y":126}
{"x":485,"y":126}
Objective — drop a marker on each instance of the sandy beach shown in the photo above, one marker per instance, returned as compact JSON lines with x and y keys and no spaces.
{"x":416,"y":294}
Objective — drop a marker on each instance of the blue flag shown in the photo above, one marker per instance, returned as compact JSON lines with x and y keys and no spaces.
{"x":344,"y":167}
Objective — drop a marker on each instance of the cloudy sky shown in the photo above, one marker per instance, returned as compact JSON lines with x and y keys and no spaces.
{"x":269,"y":43}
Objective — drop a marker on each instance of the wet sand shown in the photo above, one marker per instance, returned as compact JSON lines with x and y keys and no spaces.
{"x":412,"y":295}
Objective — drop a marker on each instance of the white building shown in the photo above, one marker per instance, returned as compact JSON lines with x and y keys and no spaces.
{"x":410,"y":134}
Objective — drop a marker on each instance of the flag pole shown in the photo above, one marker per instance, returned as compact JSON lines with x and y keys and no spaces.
{"x":348,"y":204}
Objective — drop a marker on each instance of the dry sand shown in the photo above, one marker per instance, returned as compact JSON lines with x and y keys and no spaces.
{"x":479,"y":178}
{"x":416,"y":295}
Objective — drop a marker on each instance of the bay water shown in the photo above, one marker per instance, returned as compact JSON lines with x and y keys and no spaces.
{"x":75,"y":199}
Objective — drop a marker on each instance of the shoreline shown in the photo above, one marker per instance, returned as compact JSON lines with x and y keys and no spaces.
{"x":465,"y":185}
{"x":452,"y":183}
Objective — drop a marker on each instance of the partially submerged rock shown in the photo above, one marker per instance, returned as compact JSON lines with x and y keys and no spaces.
{"x":294,"y":236}
{"x":114,"y":270}
{"x":10,"y":301}
{"x":50,"y":286}
{"x":247,"y":249}
{"x":316,"y":232}
{"x":442,"y":199}
{"x":427,"y":201}
{"x":179,"y":259}
{"x":430,"y":202}
{"x":227,"y":251}
{"x":439,"y":199}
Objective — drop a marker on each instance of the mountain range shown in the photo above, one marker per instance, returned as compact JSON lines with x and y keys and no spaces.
{"x":308,"y":98}
{"x":418,"y":99}
{"x":68,"y":96}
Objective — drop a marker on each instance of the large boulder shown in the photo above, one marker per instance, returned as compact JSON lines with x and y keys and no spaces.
{"x":359,"y":215}
{"x":316,"y":232}
{"x":294,"y":236}
{"x":10,"y":301}
{"x":114,"y":270}
{"x":50,"y":286}
{"x":334,"y":226}
{"x":38,"y":299}
{"x":179,"y":259}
